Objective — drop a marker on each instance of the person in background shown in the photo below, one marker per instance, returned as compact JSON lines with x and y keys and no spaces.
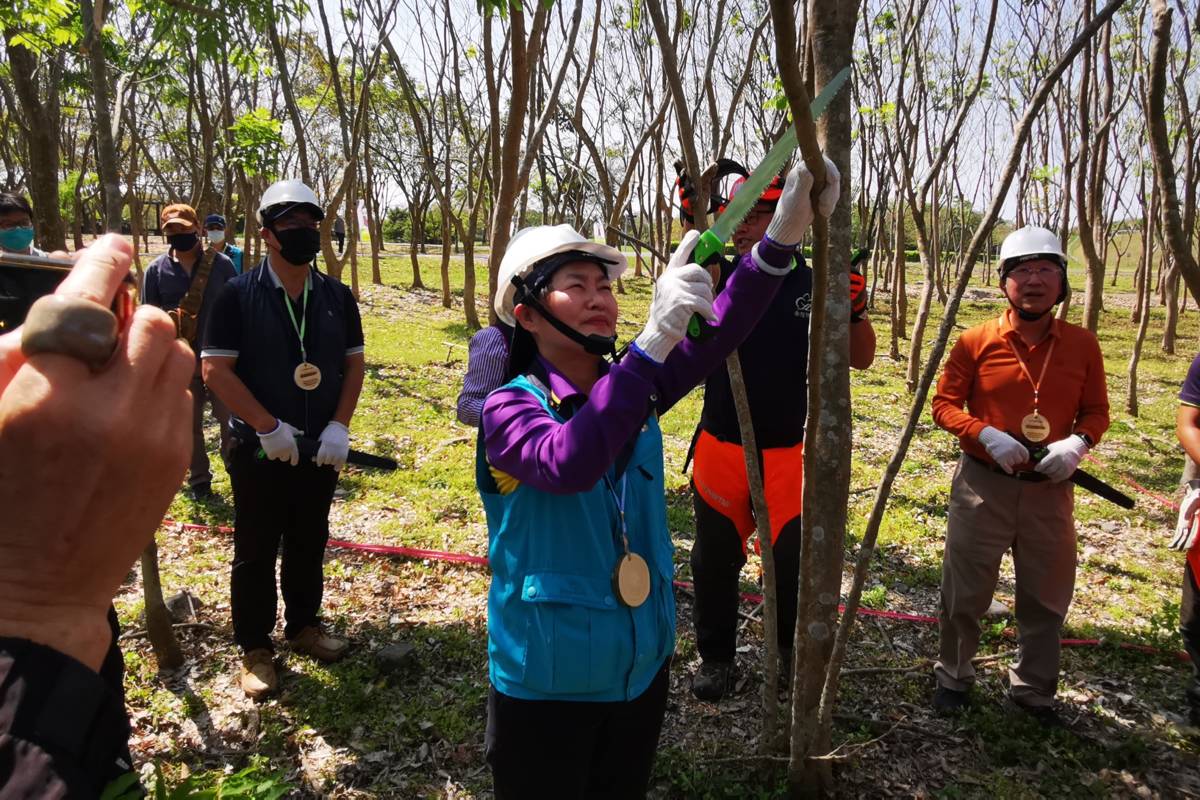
{"x":186,"y":281}
{"x":1187,"y":429}
{"x":285,"y":353}
{"x":339,"y":233}
{"x":214,"y":230}
{"x":487,"y":356}
{"x":776,"y":383}
{"x":18,"y":287}
{"x":1026,"y":396}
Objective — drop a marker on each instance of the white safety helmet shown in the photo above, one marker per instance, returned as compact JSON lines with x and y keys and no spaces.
{"x":530,"y":246}
{"x":282,"y":196}
{"x":1029,"y":244}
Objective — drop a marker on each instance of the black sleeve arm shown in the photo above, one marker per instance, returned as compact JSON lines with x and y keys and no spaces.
{"x":62,"y":729}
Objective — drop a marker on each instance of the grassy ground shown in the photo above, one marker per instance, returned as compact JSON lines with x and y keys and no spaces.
{"x":353,"y":731}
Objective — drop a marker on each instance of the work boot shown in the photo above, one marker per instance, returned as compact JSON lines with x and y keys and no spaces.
{"x":258,"y":673}
{"x":1047,"y":716}
{"x":949,"y":702}
{"x":202,"y":491}
{"x":314,"y":642}
{"x":713,"y":680}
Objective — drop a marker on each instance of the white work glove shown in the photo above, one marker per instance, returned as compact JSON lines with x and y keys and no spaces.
{"x":280,"y":443}
{"x":335,"y":446}
{"x":1006,"y":451}
{"x":794,"y":212}
{"x":1062,"y":458}
{"x":1185,"y":533}
{"x":681,"y":290}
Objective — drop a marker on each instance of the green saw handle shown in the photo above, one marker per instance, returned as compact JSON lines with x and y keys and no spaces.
{"x":708,"y":249}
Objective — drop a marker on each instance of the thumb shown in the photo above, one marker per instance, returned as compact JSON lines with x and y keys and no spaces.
{"x":683,"y":253}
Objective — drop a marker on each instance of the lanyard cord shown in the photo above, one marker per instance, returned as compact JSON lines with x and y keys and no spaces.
{"x":1025,"y":369}
{"x":620,"y":501}
{"x":287,"y":301}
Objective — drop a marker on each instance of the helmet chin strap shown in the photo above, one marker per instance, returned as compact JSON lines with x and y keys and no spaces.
{"x":592,"y":343}
{"x":1029,"y":316}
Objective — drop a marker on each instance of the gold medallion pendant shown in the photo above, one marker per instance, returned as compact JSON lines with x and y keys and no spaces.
{"x":631,"y":580}
{"x":1035,"y":427}
{"x":307,"y":376}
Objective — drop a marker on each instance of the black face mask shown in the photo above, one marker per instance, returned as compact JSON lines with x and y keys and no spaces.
{"x":183,"y":242}
{"x":299,"y":245}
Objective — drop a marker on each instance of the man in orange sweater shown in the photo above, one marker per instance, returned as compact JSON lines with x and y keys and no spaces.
{"x":1035,"y":401}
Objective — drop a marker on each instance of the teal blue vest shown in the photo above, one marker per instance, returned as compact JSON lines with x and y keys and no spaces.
{"x":556,"y":630}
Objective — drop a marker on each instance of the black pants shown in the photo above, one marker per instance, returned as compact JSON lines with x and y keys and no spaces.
{"x":560,"y":750}
{"x":1189,"y":626}
{"x":275,"y":502}
{"x":717,"y":561}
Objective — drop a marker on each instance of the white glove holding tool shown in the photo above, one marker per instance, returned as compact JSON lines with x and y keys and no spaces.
{"x":794,"y":212}
{"x":1006,"y":451}
{"x":335,"y":446}
{"x":1062,"y":458}
{"x":682,"y":289}
{"x":280,"y":444}
{"x":1185,"y":529}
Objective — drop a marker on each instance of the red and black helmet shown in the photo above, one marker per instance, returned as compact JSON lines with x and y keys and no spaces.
{"x":686,"y":189}
{"x":770,"y":195}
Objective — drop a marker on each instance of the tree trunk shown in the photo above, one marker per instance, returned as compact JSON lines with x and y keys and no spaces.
{"x":42,"y":130}
{"x":106,"y":149}
{"x":158,"y":620}
{"x":899,"y":309}
{"x":1173,"y":231}
{"x":1143,"y":291}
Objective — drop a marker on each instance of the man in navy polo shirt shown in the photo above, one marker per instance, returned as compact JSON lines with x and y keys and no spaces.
{"x":285,"y":352}
{"x":167,"y":283}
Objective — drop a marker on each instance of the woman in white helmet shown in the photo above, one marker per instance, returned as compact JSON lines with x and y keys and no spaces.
{"x":581,"y":613}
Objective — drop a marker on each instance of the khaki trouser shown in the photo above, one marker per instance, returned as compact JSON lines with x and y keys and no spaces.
{"x":199,"y":471}
{"x":989,"y":514}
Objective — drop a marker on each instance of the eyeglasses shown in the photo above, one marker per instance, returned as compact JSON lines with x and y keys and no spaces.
{"x":1025,"y":273}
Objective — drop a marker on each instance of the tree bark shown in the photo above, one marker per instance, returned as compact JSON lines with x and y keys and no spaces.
{"x":158,"y":620}
{"x":1173,"y":232}
{"x":40,"y":121}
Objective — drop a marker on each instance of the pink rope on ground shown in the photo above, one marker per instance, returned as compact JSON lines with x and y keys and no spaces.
{"x":466,"y":558}
{"x":1130,"y":481}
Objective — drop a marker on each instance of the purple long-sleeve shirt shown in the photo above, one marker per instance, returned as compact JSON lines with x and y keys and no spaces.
{"x":487,"y":355}
{"x":523,"y":440}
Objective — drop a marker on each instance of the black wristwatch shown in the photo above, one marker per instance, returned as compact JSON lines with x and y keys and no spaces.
{"x":1086,"y":439}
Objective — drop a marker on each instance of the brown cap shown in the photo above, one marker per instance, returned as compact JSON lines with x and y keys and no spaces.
{"x":178,"y":214}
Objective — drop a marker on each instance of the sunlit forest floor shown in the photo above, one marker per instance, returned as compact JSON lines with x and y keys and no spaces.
{"x":357,"y":730}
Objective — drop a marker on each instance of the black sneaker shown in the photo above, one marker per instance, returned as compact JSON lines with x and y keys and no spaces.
{"x":202,"y":491}
{"x":950,"y":702}
{"x":713,"y":680}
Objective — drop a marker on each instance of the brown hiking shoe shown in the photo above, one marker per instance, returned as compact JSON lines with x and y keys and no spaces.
{"x":258,"y":673}
{"x":314,"y":642}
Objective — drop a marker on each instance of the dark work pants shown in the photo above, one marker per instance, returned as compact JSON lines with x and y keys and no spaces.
{"x":1189,"y":619}
{"x":199,"y":471}
{"x":717,"y":561}
{"x":112,"y":670}
{"x":559,"y":750}
{"x":274,"y":502}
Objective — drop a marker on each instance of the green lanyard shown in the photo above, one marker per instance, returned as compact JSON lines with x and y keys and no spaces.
{"x":287,"y":301}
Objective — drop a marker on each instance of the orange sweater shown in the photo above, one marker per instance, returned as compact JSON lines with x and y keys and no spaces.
{"x":983,"y":375}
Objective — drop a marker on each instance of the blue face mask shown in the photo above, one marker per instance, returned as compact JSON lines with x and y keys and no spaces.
{"x":16,"y":240}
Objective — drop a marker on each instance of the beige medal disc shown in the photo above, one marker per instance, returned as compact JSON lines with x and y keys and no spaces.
{"x":1035,"y":427}
{"x":631,"y":580}
{"x":307,"y":376}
